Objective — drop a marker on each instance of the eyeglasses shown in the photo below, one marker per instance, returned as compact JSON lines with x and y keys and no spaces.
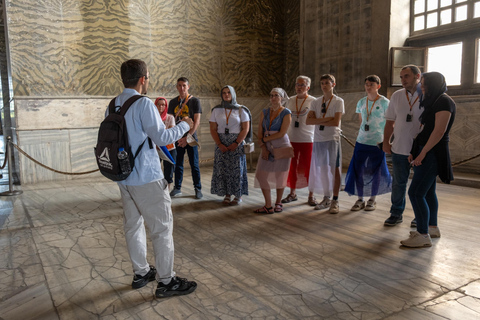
{"x":274,"y":95}
{"x":146,"y":77}
{"x":324,"y":108}
{"x":301,"y":85}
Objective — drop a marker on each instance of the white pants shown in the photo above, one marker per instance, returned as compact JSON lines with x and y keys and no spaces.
{"x":150,"y":203}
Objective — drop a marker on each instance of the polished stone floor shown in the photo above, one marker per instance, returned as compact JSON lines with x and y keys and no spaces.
{"x":63,"y":256}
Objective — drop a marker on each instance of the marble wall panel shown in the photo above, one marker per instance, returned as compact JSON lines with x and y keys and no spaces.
{"x":75,"y":48}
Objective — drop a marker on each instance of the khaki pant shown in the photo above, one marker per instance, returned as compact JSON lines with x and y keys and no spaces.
{"x":149,"y":203}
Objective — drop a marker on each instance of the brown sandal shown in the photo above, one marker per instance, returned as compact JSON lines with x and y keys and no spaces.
{"x":312,"y":201}
{"x":278,"y":207}
{"x":264,"y":210}
{"x":290,"y":198}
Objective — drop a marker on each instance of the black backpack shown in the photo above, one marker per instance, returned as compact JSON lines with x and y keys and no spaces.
{"x":112,"y":136}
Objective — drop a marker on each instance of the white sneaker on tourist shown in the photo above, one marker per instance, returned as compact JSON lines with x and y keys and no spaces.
{"x":324,"y":204}
{"x":434,"y":232}
{"x":334,"y":207}
{"x":417,"y":240}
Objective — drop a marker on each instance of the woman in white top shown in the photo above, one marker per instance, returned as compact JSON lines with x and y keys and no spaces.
{"x":169,"y":122}
{"x":229,"y":125}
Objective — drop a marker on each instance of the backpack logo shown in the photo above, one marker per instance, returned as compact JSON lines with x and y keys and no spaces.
{"x":104,"y":159}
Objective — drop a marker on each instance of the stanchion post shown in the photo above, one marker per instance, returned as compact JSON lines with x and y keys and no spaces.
{"x":9,"y":152}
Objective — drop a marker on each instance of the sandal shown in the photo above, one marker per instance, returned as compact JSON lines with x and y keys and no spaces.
{"x":264,"y":210}
{"x":235,"y":201}
{"x":290,"y":198}
{"x":359,"y":205}
{"x":312,"y":201}
{"x":278,"y":207}
{"x":226,"y":200}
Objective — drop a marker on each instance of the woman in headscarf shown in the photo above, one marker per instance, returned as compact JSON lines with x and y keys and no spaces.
{"x":430,"y":157}
{"x":229,"y":125}
{"x":272,"y":132}
{"x":169,"y":122}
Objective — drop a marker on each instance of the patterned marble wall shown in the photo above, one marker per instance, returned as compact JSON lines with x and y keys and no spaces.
{"x":348,"y":39}
{"x":75,"y":47}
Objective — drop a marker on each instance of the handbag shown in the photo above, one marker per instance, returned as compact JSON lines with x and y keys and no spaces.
{"x":283,"y":153}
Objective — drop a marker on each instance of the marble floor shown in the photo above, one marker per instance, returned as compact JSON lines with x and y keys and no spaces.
{"x":63,"y":256}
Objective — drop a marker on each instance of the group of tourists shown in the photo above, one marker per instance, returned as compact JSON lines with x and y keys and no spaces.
{"x":299,"y":139}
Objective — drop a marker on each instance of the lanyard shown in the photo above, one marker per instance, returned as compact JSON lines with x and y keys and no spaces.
{"x":323,"y":102}
{"x":186,"y":100}
{"x":273,"y":117}
{"x":371,"y":109}
{"x":409,"y":102}
{"x":228,"y":114}
{"x":296,"y":106}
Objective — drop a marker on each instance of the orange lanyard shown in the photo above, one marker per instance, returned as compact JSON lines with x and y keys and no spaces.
{"x":409,"y":103}
{"x":296,"y":106}
{"x":323,"y":102}
{"x":371,"y":109}
{"x":273,"y":117}
{"x":228,"y":114}
{"x":180,"y":111}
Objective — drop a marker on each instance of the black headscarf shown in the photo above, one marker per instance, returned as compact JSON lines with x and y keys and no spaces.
{"x":435,"y":86}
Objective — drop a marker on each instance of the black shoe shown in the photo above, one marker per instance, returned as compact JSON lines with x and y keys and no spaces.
{"x":176,"y":287}
{"x":393,"y":220}
{"x":198,"y":194}
{"x":413,"y":224}
{"x":139,"y":281}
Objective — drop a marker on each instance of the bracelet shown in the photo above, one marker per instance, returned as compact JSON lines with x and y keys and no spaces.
{"x":235,"y":142}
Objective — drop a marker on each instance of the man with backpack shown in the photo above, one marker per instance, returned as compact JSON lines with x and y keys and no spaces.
{"x":144,"y":192}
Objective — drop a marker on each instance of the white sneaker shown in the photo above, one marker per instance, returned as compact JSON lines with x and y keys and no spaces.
{"x":434,"y":232}
{"x":371,"y":205}
{"x":334,"y":207}
{"x":324,"y":204}
{"x":417,"y":240}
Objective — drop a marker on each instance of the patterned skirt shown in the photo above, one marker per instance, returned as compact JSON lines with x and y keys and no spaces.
{"x":229,"y":169}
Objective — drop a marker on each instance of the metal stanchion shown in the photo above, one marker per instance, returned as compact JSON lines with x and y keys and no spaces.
{"x":9,"y":154}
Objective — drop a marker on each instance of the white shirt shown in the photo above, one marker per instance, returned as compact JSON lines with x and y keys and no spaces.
{"x":404,"y":132}
{"x":328,"y":133}
{"x":235,"y":119}
{"x":304,"y":132}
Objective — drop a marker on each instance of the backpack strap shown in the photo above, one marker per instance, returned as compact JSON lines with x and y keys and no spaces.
{"x":129,"y":103}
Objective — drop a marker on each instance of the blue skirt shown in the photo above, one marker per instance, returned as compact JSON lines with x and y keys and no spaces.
{"x":368,"y":173}
{"x":229,"y":169}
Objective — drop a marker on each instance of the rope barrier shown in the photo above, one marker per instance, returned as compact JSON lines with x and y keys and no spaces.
{"x":186,"y":160}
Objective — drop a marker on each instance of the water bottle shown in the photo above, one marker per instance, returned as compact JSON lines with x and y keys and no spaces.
{"x":123,"y":161}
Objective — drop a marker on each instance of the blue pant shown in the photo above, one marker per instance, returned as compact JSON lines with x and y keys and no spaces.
{"x":422,"y":193}
{"x":194,"y":165}
{"x":401,"y":172}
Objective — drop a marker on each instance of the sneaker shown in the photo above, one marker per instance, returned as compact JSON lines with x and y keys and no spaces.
{"x":334,"y":207}
{"x":175,"y":192}
{"x":324,"y":204}
{"x":140,"y":282}
{"x":413,"y":224}
{"x":371,"y":205}
{"x":176,"y":287}
{"x":198,"y":194}
{"x":417,"y":240}
{"x":393,"y":221}
{"x":359,"y":205}
{"x":434,"y":232}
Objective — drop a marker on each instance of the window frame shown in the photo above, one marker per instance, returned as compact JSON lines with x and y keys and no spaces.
{"x":467,"y":32}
